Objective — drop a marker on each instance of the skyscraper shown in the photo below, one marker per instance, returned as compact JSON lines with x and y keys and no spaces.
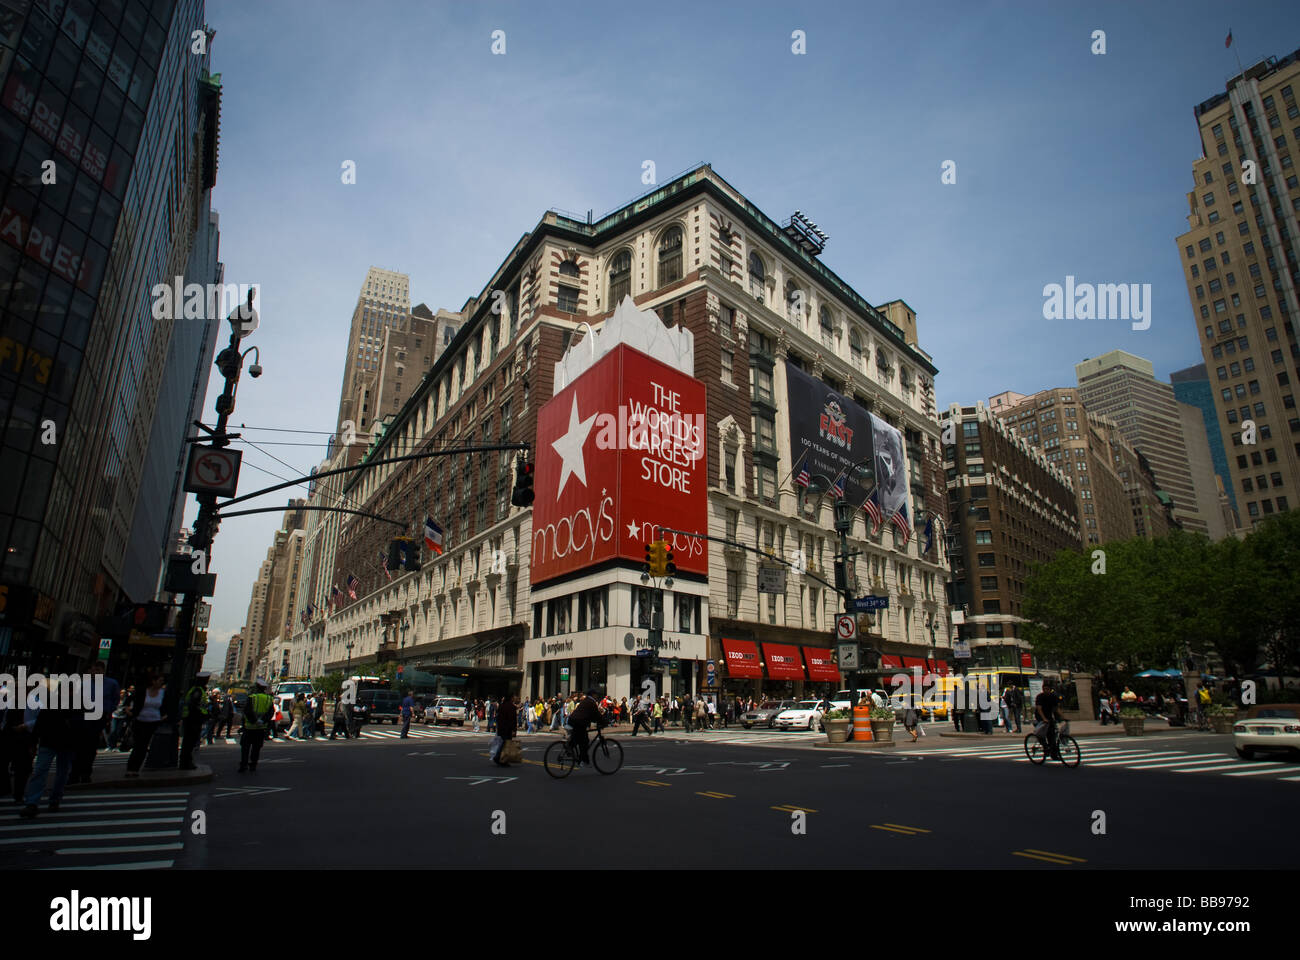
{"x":383,"y":304}
{"x":1241,"y":269}
{"x":1123,"y":388}
{"x":1192,"y":387}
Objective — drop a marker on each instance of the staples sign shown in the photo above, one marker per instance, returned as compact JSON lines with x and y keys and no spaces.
{"x":620,"y":452}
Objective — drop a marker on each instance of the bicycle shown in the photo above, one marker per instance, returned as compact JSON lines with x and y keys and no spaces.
{"x":561,"y":757}
{"x":1066,"y":750}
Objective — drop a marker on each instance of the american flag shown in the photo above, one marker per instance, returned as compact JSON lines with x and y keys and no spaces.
{"x":353,"y":583}
{"x":899,"y":519}
{"x":336,"y":595}
{"x":803,"y":478}
{"x":837,"y":487}
{"x":873,"y":511}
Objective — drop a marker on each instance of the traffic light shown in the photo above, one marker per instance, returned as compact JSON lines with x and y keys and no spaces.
{"x":649,"y":561}
{"x":670,"y":568}
{"x":411,"y":555}
{"x":394,"y":555}
{"x":657,"y":554}
{"x":523,"y":492}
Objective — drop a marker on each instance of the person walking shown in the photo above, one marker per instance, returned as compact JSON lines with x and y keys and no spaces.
{"x":91,"y":730}
{"x":194,"y":714}
{"x":259,"y":710}
{"x":491,"y":715}
{"x":910,"y":718}
{"x":408,"y":705}
{"x":1103,"y":706}
{"x":297,"y":715}
{"x":118,"y":724}
{"x":712,"y":709}
{"x":478,"y":713}
{"x":530,"y":717}
{"x":688,"y":713}
{"x":1017,"y":705}
{"x":55,"y":733}
{"x":1007,"y":699}
{"x":227,"y":715}
{"x":658,"y":726}
{"x":702,"y":714}
{"x":214,"y":716}
{"x":507,"y":724}
{"x":342,"y":716}
{"x":639,"y":717}
{"x":147,"y":711}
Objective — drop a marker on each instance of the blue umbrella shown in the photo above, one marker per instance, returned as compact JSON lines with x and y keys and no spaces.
{"x":1173,"y":674}
{"x":1150,"y":673}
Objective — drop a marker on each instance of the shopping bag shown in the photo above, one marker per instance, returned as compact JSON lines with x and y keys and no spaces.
{"x":512,"y":752}
{"x":495,"y":749}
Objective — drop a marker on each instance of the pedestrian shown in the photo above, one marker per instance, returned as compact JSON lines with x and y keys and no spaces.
{"x":712,"y":707}
{"x":214,"y":716}
{"x":147,"y":711}
{"x":15,"y":744}
{"x":118,"y":724}
{"x":54,"y":729}
{"x":701,"y":714}
{"x":530,"y":717}
{"x":259,"y":711}
{"x":639,"y":717}
{"x":341,"y":717}
{"x":658,"y":726}
{"x":507,"y":717}
{"x":1104,"y":707}
{"x":1017,"y":705}
{"x":1008,"y":708}
{"x":91,"y":730}
{"x":297,"y":715}
{"x":408,"y":707}
{"x":478,"y":713}
{"x":227,"y":715}
{"x":318,"y":714}
{"x":491,"y":716}
{"x":910,"y":717}
{"x":688,"y":713}
{"x":194,"y":714}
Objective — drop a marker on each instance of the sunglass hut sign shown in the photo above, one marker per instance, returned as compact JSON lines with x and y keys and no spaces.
{"x":620,"y":452}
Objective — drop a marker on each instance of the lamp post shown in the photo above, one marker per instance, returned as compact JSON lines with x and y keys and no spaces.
{"x":243,"y":320}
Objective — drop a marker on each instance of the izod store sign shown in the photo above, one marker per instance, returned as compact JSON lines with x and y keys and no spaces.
{"x":620,"y":451}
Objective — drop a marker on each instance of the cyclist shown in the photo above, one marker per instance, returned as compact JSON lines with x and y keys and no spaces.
{"x":584,"y":714}
{"x":1047,"y":709}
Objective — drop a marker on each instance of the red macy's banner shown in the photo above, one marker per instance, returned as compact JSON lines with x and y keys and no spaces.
{"x":620,"y":451}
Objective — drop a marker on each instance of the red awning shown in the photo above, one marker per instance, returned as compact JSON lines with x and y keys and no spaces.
{"x":889,"y":661}
{"x":821,"y":665}
{"x":783,"y":661}
{"x":742,"y":658}
{"x":940,"y":667}
{"x":910,"y":662}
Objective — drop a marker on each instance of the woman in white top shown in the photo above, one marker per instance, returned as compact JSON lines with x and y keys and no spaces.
{"x":148,"y":709}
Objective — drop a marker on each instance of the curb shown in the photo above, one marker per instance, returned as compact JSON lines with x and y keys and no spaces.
{"x":147,"y":778}
{"x":856,"y":745}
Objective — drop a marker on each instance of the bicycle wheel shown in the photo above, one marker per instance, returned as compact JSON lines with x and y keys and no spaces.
{"x":559,"y":760}
{"x":1035,"y":751}
{"x":606,"y":755}
{"x":1068,"y":751}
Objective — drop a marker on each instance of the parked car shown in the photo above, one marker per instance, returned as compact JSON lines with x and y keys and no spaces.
{"x":447,"y":710}
{"x":1268,"y":728}
{"x":847,"y":699}
{"x":805,"y":715}
{"x":376,"y":706}
{"x":765,"y":713}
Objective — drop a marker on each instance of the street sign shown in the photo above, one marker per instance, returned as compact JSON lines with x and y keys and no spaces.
{"x":961,"y":649}
{"x":771,"y":578}
{"x":644,"y":652}
{"x":868,"y":603}
{"x":673,"y":667}
{"x":201,"y":614}
{"x":212,"y":470}
{"x":105,"y":648}
{"x":847,"y":654}
{"x":564,"y":674}
{"x":846,"y":627}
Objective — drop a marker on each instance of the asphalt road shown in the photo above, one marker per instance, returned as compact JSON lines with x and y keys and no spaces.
{"x":713,"y":800}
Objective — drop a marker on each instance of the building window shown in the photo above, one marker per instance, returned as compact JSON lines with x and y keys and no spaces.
{"x":756,"y":276}
{"x":567,"y":299}
{"x":728,"y":360}
{"x":828,"y":329}
{"x":569,"y":269}
{"x":670,"y":256}
{"x":727,"y":321}
{"x":620,"y":277}
{"x":855,"y":348}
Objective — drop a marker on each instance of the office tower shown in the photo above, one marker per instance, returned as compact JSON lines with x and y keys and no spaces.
{"x":383,"y":303}
{"x":1240,"y":262}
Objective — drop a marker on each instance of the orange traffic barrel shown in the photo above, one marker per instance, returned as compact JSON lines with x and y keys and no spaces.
{"x":861,"y":724}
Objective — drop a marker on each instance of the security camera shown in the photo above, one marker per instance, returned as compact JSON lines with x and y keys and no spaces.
{"x":255,"y":370}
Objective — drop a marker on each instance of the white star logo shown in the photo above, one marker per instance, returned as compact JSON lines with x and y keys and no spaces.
{"x":569,"y":447}
{"x":634,"y":531}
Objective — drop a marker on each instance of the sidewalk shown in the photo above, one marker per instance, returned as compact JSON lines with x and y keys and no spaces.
{"x":1078,"y":728}
{"x":171,"y":777}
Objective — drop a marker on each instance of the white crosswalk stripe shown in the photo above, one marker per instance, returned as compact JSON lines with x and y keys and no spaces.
{"x":1105,"y":752}
{"x":101,"y":831}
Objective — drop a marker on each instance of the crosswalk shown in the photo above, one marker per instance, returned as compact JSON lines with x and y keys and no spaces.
{"x":1119,"y":752}
{"x":115,"y":830}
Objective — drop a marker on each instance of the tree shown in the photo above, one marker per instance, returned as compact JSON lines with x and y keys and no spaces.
{"x":1273,"y":549}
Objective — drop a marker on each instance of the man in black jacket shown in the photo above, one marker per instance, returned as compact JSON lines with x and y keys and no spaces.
{"x":584,"y":714}
{"x":507,"y":724}
{"x":55,"y":732}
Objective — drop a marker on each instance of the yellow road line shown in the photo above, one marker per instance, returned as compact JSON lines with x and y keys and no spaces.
{"x":1063,"y":856}
{"x":1033,"y":856}
{"x":903,"y":826}
{"x":791,"y":808}
{"x":654,"y":783}
{"x":715,"y":795}
{"x":905,"y":831}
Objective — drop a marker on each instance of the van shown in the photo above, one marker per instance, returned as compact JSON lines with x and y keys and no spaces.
{"x":376,"y":706}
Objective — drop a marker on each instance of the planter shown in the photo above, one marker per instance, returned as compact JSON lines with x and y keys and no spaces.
{"x":1222,"y":723}
{"x":882,"y":731}
{"x":1133,"y":725}
{"x":837,"y":731}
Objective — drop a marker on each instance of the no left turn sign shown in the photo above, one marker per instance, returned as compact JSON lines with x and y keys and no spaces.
{"x":846,"y":627}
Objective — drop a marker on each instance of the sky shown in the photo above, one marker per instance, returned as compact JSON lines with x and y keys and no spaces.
{"x":1067,"y":163}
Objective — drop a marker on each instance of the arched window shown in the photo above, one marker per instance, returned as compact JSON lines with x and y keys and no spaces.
{"x":568,"y":269}
{"x":670,"y":256}
{"x":795,"y":304}
{"x":828,"y":329}
{"x":756,"y":276}
{"x":855,"y":348}
{"x":620,"y":277}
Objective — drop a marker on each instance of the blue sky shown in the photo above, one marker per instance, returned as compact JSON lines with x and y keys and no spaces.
{"x":1067,"y":163}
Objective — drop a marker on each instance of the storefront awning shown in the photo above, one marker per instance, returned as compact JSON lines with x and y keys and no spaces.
{"x":783,"y":661}
{"x":890,"y":662}
{"x":742,"y":658}
{"x":909,"y":662}
{"x":821,"y":665}
{"x":940,"y":667}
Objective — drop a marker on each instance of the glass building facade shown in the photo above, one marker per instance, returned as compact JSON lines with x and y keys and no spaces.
{"x":1192,"y":387}
{"x":107,"y":153}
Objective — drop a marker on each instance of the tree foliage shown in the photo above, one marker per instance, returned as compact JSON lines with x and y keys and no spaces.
{"x":1160,"y":598}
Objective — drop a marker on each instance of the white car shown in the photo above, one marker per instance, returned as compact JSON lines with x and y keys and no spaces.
{"x":806,"y":715}
{"x":447,"y":710}
{"x":1267,"y":728}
